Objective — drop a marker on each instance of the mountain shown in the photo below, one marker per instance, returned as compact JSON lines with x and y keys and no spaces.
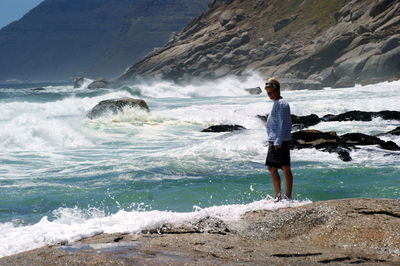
{"x":332,"y":43}
{"x":62,"y":39}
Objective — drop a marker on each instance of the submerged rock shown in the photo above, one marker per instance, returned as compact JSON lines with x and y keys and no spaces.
{"x":223,"y":128}
{"x":115,"y":106}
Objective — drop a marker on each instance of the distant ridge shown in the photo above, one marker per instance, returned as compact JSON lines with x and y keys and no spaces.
{"x":334,"y":43}
{"x":63,"y":39}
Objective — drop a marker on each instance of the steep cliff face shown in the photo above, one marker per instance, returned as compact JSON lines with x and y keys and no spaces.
{"x":336,"y":43}
{"x":61,"y":39}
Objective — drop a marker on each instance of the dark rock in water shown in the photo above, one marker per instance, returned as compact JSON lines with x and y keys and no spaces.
{"x":39,"y":89}
{"x":344,"y":155}
{"x":363,"y":116}
{"x":115,"y":106}
{"x":98,"y":84}
{"x":223,"y":128}
{"x":395,"y":131}
{"x":262,"y":117}
{"x":324,"y":141}
{"x":299,"y":122}
{"x":362,"y":139}
{"x":305,"y":121}
{"x":79,"y":82}
{"x":314,"y":137}
{"x":327,"y":117}
{"x":256,"y":90}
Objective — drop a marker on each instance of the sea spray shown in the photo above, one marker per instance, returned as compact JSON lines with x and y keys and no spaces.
{"x":73,"y":224}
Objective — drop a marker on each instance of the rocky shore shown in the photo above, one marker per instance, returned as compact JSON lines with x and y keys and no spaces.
{"x":337,"y":232}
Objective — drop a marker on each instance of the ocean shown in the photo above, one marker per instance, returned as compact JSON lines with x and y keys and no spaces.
{"x":64,"y":177}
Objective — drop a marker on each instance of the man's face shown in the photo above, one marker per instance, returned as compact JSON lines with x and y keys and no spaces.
{"x":272,"y":94}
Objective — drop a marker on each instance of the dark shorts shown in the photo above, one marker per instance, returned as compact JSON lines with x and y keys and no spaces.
{"x":280,"y":157}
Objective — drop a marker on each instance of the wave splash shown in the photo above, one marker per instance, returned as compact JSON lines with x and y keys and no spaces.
{"x":73,"y":224}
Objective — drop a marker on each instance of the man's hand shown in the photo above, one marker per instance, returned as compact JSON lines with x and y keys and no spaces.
{"x":277,"y":147}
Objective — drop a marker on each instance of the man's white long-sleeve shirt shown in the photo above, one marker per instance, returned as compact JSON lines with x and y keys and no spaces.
{"x":279,"y":123}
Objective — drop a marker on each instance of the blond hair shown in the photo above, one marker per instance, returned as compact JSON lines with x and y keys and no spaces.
{"x":274,"y":84}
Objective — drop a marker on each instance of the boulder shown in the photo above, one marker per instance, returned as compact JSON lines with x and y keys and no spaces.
{"x":344,"y":82}
{"x":223,"y":128}
{"x":380,"y":6}
{"x":381,"y":67}
{"x":305,"y":121}
{"x":283,"y":23}
{"x":234,"y":42}
{"x":79,"y":82}
{"x":300,"y":84}
{"x":362,"y":139}
{"x":390,"y":44}
{"x":324,"y":141}
{"x":395,"y":131}
{"x":256,"y":90}
{"x":225,"y":17}
{"x":299,"y":122}
{"x":98,"y":84}
{"x":314,"y":137}
{"x":115,"y":106}
{"x":363,"y":116}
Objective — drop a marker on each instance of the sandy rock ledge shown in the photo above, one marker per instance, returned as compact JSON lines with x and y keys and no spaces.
{"x":337,"y":232}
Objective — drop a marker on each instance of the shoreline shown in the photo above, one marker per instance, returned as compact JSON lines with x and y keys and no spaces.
{"x":325,"y":232}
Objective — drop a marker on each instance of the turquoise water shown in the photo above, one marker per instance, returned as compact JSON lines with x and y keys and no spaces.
{"x":61,"y":173}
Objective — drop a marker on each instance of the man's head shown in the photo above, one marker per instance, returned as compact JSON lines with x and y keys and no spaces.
{"x":273,"y":89}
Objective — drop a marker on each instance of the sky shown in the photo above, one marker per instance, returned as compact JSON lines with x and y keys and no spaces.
{"x":12,"y":10}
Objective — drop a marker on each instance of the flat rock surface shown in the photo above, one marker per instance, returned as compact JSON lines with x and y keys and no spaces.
{"x":337,"y":232}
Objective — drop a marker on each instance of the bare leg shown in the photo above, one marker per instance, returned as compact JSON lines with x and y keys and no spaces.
{"x":276,"y":180}
{"x":287,"y":173}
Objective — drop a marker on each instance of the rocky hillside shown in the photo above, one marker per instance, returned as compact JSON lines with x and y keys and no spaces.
{"x":333,"y":43}
{"x":62,"y":39}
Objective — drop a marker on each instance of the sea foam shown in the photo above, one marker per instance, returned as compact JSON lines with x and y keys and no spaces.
{"x":73,"y":224}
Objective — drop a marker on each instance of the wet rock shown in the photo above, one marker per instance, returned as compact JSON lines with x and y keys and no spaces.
{"x":254,"y":91}
{"x":314,"y":137}
{"x":39,"y":89}
{"x":324,"y":141}
{"x":223,"y":128}
{"x":298,"y":122}
{"x":98,"y":84}
{"x":79,"y":82}
{"x":363,"y":139}
{"x":363,"y":116}
{"x":115,"y":106}
{"x":306,"y":121}
{"x":395,"y":131}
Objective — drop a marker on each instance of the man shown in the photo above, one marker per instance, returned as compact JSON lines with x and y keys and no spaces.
{"x":279,"y":126}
